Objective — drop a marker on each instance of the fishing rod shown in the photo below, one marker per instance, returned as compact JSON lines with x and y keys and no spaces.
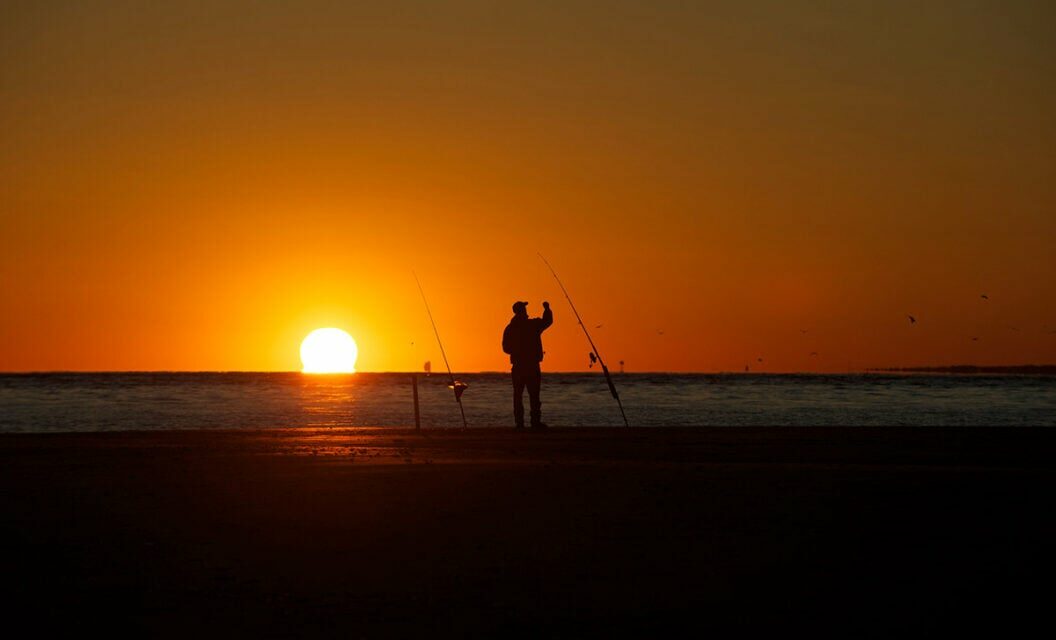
{"x":456,"y":386}
{"x":594,"y":349}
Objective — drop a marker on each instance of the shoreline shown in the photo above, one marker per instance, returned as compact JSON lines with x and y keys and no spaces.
{"x":387,"y":533}
{"x":1013,"y":447}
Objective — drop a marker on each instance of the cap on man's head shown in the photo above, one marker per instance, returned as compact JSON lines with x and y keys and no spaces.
{"x":518,"y":307}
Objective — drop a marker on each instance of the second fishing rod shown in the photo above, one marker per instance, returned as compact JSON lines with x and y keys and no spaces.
{"x":456,"y":386}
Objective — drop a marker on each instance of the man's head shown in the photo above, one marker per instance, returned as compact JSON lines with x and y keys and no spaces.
{"x":520,"y":308}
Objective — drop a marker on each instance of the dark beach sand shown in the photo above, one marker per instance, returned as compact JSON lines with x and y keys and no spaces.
{"x":367,"y":533}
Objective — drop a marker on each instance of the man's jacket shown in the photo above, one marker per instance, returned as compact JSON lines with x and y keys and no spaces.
{"x":522,"y":338}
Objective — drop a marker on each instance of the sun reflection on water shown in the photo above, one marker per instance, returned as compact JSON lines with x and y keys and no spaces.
{"x":330,"y":400}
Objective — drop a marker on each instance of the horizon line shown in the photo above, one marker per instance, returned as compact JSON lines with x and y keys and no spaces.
{"x":899,"y":369}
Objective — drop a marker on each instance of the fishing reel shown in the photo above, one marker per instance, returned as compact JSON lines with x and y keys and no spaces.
{"x":459,"y":388}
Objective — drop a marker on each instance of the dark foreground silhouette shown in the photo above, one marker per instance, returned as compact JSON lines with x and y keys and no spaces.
{"x":852,"y":532}
{"x":522,"y":340}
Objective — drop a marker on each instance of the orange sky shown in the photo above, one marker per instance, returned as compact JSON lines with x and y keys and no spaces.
{"x":196,"y":188}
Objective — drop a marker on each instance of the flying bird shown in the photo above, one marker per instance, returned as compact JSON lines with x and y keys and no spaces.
{"x":598,"y":326}
{"x":758,"y":359}
{"x":985,"y":297}
{"x":975,"y":339}
{"x":593,"y":359}
{"x":803,"y":331}
{"x":660,"y":332}
{"x":813,"y":353}
{"x":912,"y":320}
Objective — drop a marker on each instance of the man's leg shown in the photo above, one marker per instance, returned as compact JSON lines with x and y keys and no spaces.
{"x":518,"y":399}
{"x":533,"y":381}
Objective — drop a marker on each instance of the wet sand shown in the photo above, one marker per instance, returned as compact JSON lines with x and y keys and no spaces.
{"x":380,"y":533}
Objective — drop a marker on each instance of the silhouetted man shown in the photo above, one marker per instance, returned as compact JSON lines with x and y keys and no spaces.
{"x":522,"y":339}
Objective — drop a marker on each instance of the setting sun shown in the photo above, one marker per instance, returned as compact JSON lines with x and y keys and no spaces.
{"x":329,"y":351}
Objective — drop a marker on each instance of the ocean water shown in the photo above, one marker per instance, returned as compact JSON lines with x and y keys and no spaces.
{"x":62,"y":402}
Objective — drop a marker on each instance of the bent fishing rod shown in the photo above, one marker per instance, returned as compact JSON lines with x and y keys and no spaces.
{"x":456,"y":386}
{"x":594,"y":349}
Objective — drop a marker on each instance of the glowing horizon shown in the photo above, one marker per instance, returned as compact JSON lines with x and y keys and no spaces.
{"x":184,"y":189}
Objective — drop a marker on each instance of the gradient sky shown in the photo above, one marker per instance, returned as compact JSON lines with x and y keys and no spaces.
{"x":196,"y":186}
